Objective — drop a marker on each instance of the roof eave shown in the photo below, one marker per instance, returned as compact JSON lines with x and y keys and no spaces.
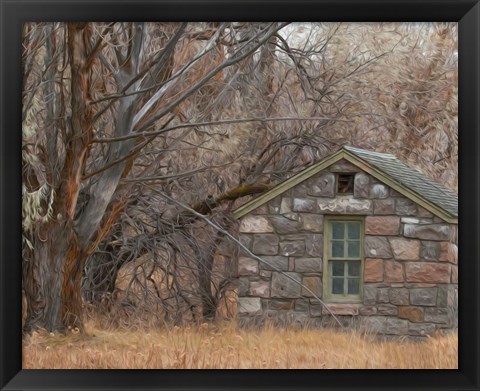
{"x":288,"y":184}
{"x":360,"y":163}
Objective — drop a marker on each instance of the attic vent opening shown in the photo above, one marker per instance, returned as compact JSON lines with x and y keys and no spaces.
{"x":345,"y":183}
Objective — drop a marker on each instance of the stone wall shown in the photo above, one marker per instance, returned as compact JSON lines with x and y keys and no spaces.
{"x":410,"y":260}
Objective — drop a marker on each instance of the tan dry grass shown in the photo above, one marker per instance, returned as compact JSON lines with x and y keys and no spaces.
{"x":224,"y":347}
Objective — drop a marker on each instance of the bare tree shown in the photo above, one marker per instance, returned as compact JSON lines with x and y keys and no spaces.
{"x":207,"y":114}
{"x":94,"y":96}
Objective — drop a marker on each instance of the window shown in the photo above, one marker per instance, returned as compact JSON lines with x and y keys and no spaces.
{"x":343,"y":253}
{"x":345,"y":183}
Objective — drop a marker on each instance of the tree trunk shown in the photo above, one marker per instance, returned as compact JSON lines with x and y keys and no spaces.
{"x":52,"y":281}
{"x":209,"y":302}
{"x":53,"y":274}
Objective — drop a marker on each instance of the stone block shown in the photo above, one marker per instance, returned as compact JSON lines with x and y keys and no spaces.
{"x":247,"y":266}
{"x":265,"y":274}
{"x":341,"y":309}
{"x":429,"y":250}
{"x":384,"y":207}
{"x":448,"y":252}
{"x":368,"y":310}
{"x":322,"y":185}
{"x":311,"y":222}
{"x":293,"y":237}
{"x":382,"y":225}
{"x":405,"y":207}
{"x":396,"y":326}
{"x":292,"y":216}
{"x":373,"y":270}
{"x":286,"y":205}
{"x":283,"y":286}
{"x":443,"y":294}
{"x":374,"y":324}
{"x":405,"y":249}
{"x":314,"y":245}
{"x":369,"y":294}
{"x":280,"y":305}
{"x":259,"y":289}
{"x":266,"y":244}
{"x":243,"y":284}
{"x":274,"y":205}
{"x":436,"y":315}
{"x":387,"y":310}
{"x":394,"y":193}
{"x":377,"y":247}
{"x":378,"y":190}
{"x":427,"y":231}
{"x":421,"y":329}
{"x":345,"y":205}
{"x":314,"y":284}
{"x":382,"y":295}
{"x":453,"y":233}
{"x":454,"y":274}
{"x":299,"y":190}
{"x":423,"y":296}
{"x":315,"y":309}
{"x":306,"y":205}
{"x":292,"y":248}
{"x":413,"y":314}
{"x":302,"y":305}
{"x":249,"y":305}
{"x":422,"y":212}
{"x":274,"y":263}
{"x":398,"y":296}
{"x":255,"y":224}
{"x":361,"y":188}
{"x":415,"y":220}
{"x":393,"y":272}
{"x":246,"y":240}
{"x":428,"y":272}
{"x":308,"y":265}
{"x":343,"y":166}
{"x":283,"y":225}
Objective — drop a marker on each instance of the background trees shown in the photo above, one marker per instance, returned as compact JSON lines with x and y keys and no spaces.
{"x":118,"y":115}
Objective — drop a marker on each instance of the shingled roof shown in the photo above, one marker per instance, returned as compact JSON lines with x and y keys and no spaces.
{"x":413,"y":179}
{"x":414,"y":185}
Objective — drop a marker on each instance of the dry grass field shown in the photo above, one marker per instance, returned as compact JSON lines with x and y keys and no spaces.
{"x":226,"y":347}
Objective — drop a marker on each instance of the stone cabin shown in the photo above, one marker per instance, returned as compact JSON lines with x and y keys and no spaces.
{"x":374,"y":239}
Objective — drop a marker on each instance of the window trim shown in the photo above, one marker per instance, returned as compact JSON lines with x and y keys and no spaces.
{"x":328,"y":297}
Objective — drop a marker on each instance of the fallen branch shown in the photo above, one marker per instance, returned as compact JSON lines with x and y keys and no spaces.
{"x":205,"y":207}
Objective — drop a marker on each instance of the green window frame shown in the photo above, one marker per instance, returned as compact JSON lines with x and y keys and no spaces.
{"x":343,"y":258}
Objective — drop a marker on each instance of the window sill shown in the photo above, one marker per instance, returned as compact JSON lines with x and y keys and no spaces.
{"x":341,"y":308}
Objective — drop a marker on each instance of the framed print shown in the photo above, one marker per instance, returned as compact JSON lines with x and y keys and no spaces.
{"x":226,"y":194}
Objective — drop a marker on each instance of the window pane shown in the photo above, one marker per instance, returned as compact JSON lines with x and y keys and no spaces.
{"x":338,"y":268}
{"x":354,"y":249}
{"x":337,"y":249}
{"x":354,"y":230}
{"x":353,"y":286}
{"x":354,"y":268}
{"x":338,"y":230}
{"x":337,"y":286}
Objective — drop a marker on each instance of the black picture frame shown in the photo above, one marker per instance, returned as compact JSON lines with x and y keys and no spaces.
{"x":15,"y":12}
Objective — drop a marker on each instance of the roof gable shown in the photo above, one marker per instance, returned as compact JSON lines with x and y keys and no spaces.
{"x":388,"y":169}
